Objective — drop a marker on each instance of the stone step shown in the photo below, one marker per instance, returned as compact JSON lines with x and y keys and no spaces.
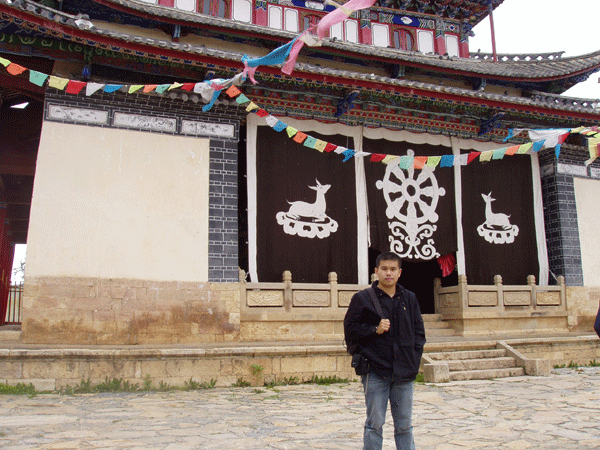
{"x":435,"y":325}
{"x":10,"y":335}
{"x":481,"y":364}
{"x":486,"y":374}
{"x":439,"y":332}
{"x":468,"y":354}
{"x":432,"y":318}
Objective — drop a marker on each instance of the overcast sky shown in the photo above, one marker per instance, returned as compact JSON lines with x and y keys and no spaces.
{"x":529,"y":26}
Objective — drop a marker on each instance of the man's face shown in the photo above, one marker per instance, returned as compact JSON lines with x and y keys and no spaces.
{"x":388,"y":273}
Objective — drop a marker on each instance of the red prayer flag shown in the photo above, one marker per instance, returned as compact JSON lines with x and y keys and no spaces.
{"x":472,"y":156}
{"x":377,"y":157}
{"x":262,"y":113}
{"x":188,"y":86}
{"x":330,"y":147}
{"x":74,"y":87}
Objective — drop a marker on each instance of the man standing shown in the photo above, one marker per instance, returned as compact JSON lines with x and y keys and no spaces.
{"x":392,"y":342}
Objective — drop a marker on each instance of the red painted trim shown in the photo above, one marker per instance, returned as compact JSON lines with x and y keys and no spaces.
{"x":154,"y":50}
{"x":308,"y":76}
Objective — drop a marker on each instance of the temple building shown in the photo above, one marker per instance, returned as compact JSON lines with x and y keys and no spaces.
{"x":200,"y":171}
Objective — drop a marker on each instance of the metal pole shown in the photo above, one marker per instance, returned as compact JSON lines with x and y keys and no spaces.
{"x":494,"y":54}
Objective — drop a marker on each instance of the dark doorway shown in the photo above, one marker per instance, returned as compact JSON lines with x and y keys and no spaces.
{"x":418,"y":277}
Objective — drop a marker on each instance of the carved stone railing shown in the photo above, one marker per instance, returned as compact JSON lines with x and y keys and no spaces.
{"x":287,"y":296}
{"x":467,"y":307}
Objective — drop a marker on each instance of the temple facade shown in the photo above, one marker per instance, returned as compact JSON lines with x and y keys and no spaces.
{"x":177,"y":181}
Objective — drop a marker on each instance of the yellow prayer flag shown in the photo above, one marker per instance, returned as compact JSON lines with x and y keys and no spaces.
{"x":486,"y":156}
{"x":134,"y":87}
{"x":433,"y":161}
{"x":4,"y":62}
{"x":320,"y":145}
{"x":291,"y":131}
{"x":57,"y":82}
{"x":389,"y":158}
{"x":175,"y":86}
{"x":251,"y":107}
{"x":524,"y":148}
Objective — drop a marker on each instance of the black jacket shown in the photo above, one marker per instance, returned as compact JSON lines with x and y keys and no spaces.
{"x":398,"y":351}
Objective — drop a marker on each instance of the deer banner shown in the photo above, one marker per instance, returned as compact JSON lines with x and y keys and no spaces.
{"x":306,"y":211}
{"x":498,"y":221}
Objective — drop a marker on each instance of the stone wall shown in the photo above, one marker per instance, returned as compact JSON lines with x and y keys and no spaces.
{"x":55,"y":369}
{"x":92,"y":311}
{"x":582,"y":305}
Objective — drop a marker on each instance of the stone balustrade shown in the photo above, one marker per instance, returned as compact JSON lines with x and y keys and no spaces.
{"x":499,"y":309}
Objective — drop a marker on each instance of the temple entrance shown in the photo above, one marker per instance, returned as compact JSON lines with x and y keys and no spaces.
{"x":418,"y":277}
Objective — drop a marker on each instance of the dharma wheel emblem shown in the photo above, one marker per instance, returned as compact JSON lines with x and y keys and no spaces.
{"x":411,"y":197}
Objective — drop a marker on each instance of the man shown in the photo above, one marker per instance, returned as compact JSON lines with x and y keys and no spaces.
{"x":597,"y":323}
{"x":393,"y":345}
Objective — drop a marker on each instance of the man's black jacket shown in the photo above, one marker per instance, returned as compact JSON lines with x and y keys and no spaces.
{"x":398,"y":351}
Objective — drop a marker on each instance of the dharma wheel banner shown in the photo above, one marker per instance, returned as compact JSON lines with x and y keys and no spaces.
{"x":306,"y":219}
{"x":411,"y":211}
{"x":499,"y":221}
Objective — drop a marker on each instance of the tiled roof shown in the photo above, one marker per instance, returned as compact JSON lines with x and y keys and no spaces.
{"x":544,"y":68}
{"x":511,"y":67}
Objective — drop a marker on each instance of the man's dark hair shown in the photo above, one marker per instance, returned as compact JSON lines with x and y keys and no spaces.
{"x":388,"y":256}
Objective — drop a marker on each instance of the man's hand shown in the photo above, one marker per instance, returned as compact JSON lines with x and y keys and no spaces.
{"x":383,"y":326}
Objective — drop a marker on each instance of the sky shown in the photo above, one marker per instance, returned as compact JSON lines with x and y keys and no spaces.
{"x":529,"y":26}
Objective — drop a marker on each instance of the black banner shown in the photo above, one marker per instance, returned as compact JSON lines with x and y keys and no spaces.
{"x":498,"y":221}
{"x":306,"y":210}
{"x":411,"y":211}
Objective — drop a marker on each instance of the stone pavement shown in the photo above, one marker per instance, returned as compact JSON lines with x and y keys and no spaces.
{"x":561,"y":411}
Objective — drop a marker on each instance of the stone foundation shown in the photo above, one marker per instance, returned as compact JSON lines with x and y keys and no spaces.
{"x":92,"y":311}
{"x":54,"y":369}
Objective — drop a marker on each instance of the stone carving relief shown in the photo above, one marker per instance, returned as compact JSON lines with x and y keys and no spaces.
{"x":517,"y":298}
{"x":548,"y":298}
{"x":207,"y":129}
{"x":79,"y":115}
{"x":145,"y":122}
{"x":264,"y":298}
{"x":311,"y":298}
{"x":483,"y":299}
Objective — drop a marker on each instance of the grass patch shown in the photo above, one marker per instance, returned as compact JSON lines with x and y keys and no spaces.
{"x":326,"y":381}
{"x":18,"y":389}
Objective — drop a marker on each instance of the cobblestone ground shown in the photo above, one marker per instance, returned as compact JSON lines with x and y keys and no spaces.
{"x":561,"y":411}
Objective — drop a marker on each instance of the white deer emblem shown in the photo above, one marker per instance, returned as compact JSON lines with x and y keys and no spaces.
{"x":314,"y":210}
{"x":497,"y":228}
{"x":308,"y":219}
{"x":494,"y":219}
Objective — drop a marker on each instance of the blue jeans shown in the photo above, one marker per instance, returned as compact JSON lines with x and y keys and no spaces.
{"x":377,"y":393}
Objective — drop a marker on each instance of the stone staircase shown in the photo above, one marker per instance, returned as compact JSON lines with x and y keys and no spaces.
{"x":478,"y":361}
{"x":435,"y":327}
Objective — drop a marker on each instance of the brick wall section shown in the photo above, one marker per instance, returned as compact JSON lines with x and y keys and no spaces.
{"x":223,"y":212}
{"x":560,"y":212}
{"x":223,"y":190}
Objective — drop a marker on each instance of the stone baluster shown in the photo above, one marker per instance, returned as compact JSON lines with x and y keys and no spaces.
{"x":287,"y":290}
{"x":333,"y":290}
{"x":500,"y":291}
{"x":532,"y":286}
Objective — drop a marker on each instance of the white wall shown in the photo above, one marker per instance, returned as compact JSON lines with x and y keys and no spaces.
{"x":114,"y":203}
{"x":587,"y":192}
